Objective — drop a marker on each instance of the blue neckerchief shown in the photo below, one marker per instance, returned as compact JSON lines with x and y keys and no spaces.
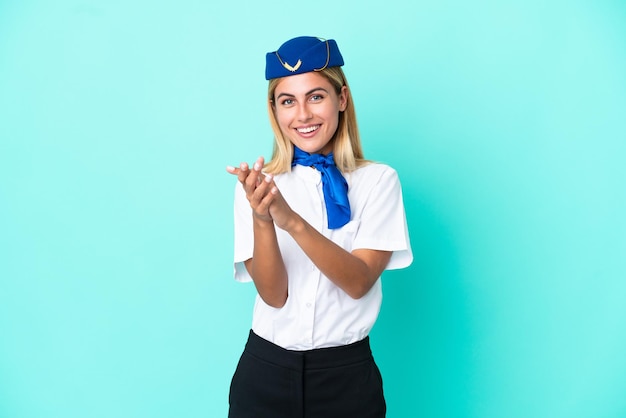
{"x":334,"y":185}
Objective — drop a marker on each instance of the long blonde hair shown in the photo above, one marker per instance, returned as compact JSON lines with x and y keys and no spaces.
{"x":347,"y":148}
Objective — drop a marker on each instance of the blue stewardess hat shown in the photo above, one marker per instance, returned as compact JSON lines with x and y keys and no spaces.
{"x":302,"y":55}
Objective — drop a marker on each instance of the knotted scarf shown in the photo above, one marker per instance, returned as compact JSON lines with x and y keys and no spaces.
{"x":334,"y":185}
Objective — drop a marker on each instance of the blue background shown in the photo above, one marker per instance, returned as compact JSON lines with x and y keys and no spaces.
{"x":505,"y":120}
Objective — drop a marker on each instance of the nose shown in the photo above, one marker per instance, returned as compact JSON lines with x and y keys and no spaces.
{"x":304,"y":113}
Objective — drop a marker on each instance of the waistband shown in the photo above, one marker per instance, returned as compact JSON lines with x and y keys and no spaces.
{"x":318,"y":358}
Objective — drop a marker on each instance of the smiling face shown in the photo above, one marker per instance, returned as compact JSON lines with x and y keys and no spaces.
{"x":307,"y":109}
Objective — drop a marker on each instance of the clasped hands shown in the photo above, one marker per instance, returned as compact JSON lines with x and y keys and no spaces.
{"x":266,"y":201}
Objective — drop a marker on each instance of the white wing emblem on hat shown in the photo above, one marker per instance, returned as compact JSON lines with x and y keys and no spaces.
{"x":290,"y":68}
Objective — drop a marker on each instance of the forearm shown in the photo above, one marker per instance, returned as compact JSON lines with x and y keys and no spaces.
{"x":355,"y":273}
{"x":266,"y":267}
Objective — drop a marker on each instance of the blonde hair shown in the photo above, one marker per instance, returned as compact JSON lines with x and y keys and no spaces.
{"x":347,"y":149}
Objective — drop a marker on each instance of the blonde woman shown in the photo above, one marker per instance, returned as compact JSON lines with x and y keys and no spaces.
{"x":315,"y":228}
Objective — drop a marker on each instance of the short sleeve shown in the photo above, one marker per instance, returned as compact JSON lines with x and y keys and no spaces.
{"x":383,"y":223}
{"x":244,"y":236}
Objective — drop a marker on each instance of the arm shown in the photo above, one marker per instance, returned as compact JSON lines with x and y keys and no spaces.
{"x":266,"y":267}
{"x":354,"y":272}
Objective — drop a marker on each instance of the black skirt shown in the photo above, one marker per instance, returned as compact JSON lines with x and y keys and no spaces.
{"x":272,"y":382}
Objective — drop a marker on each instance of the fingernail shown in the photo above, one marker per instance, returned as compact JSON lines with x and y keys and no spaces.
{"x":230,"y":168}
{"x":257,"y":166}
{"x":268,"y":178}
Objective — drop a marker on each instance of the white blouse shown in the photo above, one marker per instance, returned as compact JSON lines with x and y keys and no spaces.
{"x":317,"y":313}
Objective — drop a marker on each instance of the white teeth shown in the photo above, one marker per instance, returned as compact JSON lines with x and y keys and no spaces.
{"x":309,"y":129}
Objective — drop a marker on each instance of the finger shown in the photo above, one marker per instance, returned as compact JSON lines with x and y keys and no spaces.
{"x":251,"y":181}
{"x":262,"y":188}
{"x":267,"y":199}
{"x":244,"y":173}
{"x":257,"y":167}
{"x":271,"y":186}
{"x":232,"y":170}
{"x":255,"y":177}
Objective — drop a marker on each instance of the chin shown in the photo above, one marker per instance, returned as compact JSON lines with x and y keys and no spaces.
{"x":311,"y":150}
{"x":314,"y":148}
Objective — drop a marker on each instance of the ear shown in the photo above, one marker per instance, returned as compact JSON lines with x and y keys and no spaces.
{"x":344,"y":94}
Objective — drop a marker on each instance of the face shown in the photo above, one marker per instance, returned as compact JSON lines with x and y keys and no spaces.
{"x":307,"y":110}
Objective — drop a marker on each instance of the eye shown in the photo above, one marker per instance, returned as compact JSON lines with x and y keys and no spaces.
{"x":287,"y":102}
{"x":316,"y":98}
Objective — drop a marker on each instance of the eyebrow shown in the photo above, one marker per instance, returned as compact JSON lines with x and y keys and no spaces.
{"x":307,"y":93}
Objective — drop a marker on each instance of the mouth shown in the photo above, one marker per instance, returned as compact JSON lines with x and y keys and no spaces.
{"x":308,"y":129}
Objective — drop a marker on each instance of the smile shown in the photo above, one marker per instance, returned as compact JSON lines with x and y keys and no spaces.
{"x":308,"y":129}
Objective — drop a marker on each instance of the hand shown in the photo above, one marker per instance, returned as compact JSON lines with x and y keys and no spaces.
{"x":260,"y":188}
{"x":281,"y":213}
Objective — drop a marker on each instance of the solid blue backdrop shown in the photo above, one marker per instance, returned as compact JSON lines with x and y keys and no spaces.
{"x":505,"y":122}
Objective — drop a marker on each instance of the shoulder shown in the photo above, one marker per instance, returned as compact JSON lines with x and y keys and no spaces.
{"x":373,"y":173}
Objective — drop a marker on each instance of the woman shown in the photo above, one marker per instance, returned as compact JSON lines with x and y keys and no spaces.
{"x":314,"y":229}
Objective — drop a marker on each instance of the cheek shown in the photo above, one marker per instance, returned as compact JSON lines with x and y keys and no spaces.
{"x":282,"y":118}
{"x":333,"y":118}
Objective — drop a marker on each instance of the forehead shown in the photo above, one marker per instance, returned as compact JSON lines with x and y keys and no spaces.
{"x":302,"y":83}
